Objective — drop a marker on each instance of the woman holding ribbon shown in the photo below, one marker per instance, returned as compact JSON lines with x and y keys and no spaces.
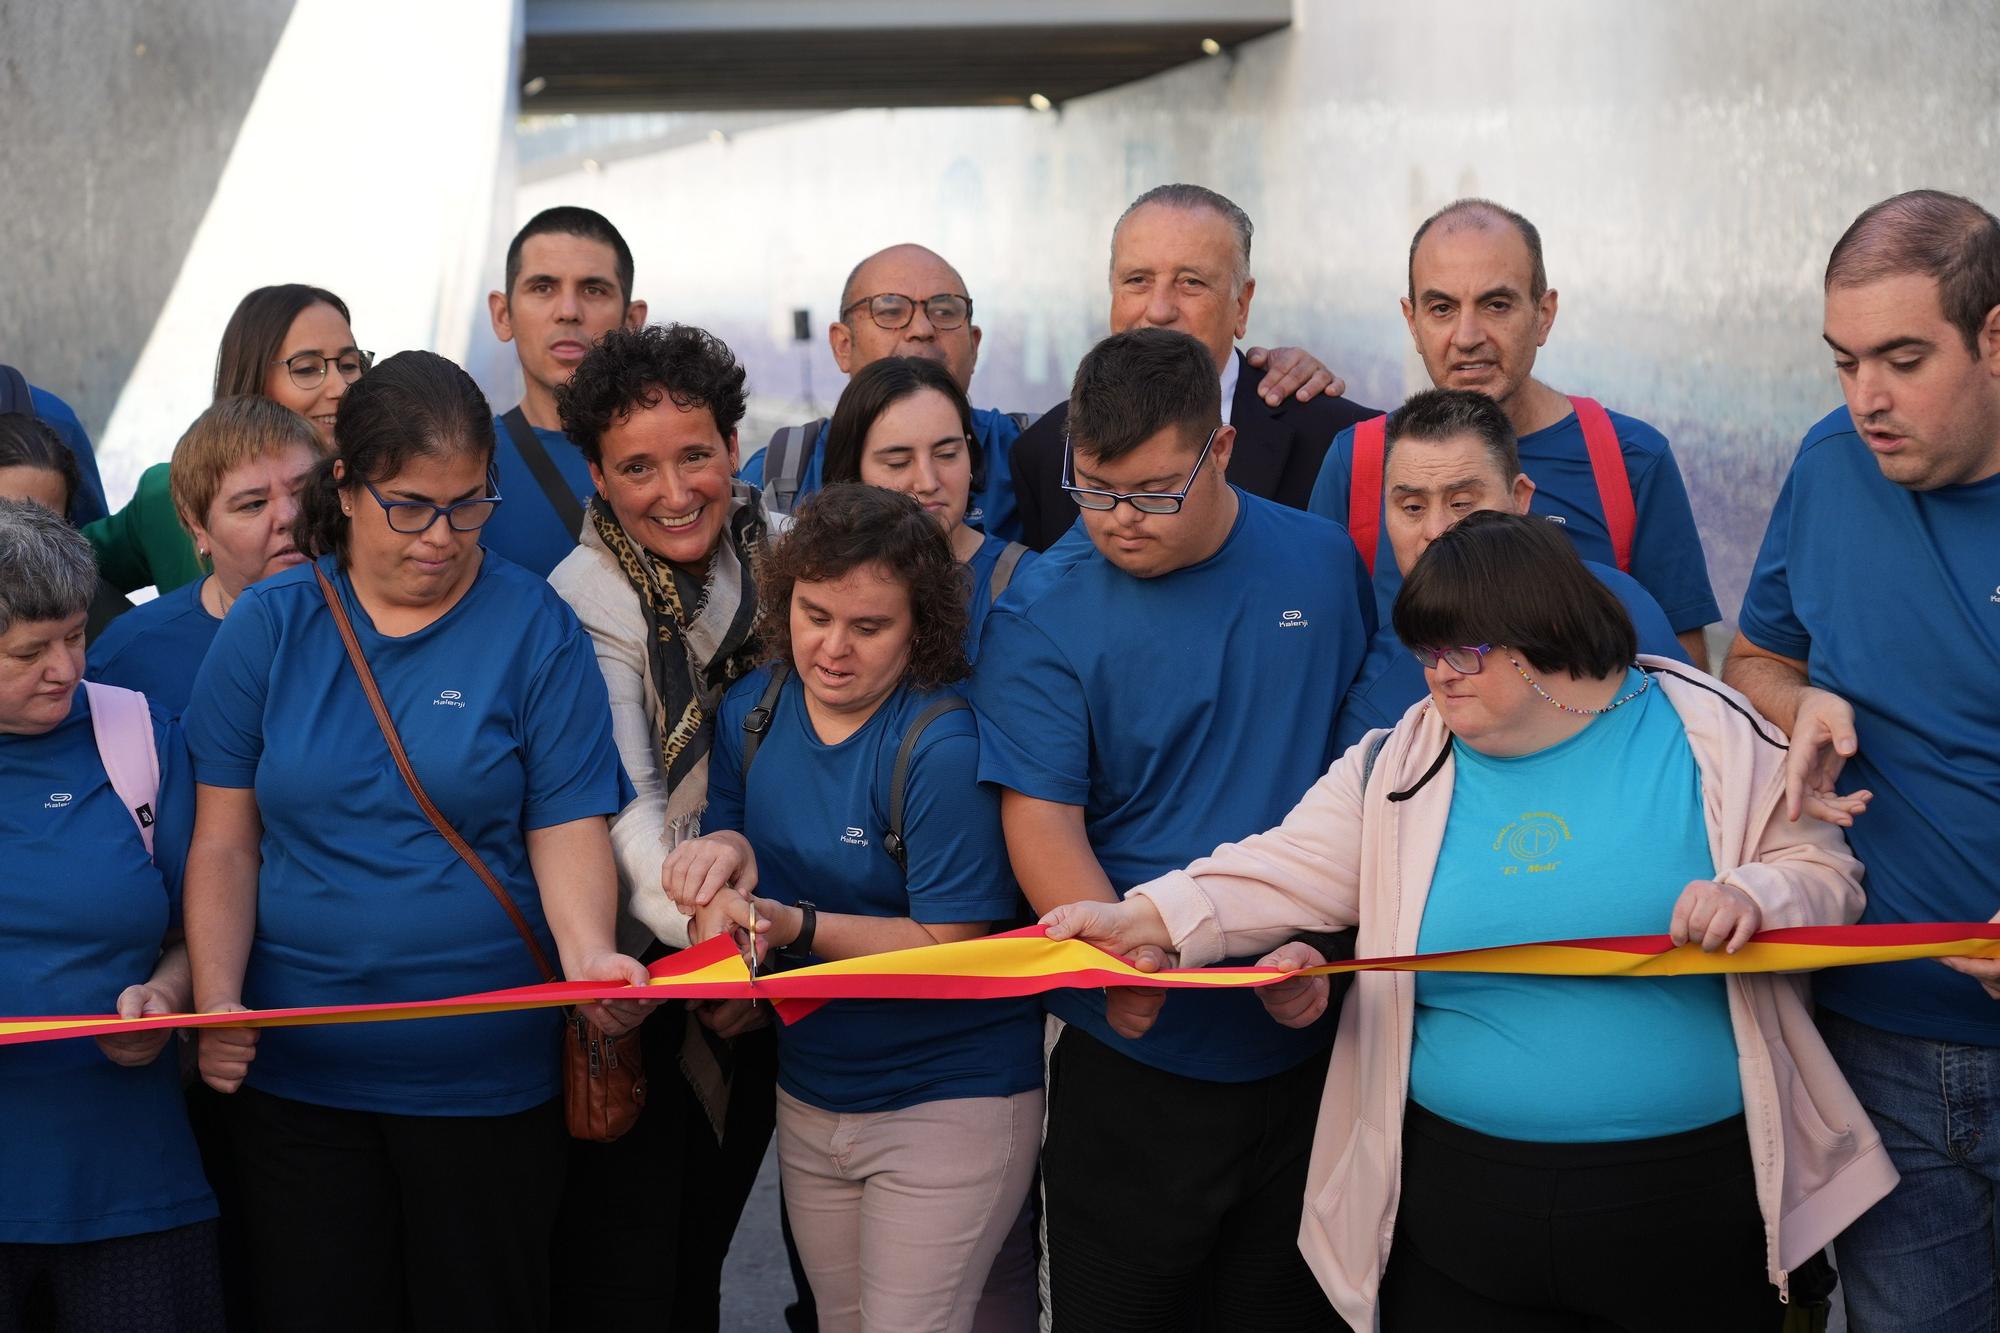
{"x":845,"y":819}
{"x":903,"y":424}
{"x":1546,"y":1153}
{"x":400,"y":1174}
{"x":664,"y":579}
{"x":105,"y":1219}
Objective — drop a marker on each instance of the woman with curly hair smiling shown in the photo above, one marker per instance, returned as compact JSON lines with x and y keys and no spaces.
{"x":907,"y":1130}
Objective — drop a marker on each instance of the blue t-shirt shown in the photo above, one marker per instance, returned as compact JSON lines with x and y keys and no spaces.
{"x":1594,"y":836}
{"x":90,"y":1149}
{"x":980,"y":570}
{"x":1666,"y":547}
{"x":1391,"y":680}
{"x":525,"y":528}
{"x":87,"y":505}
{"x":360,"y":900}
{"x":815,"y":814}
{"x":991,"y":508}
{"x":1181,"y":712}
{"x":1891,"y":598}
{"x":157,"y":648}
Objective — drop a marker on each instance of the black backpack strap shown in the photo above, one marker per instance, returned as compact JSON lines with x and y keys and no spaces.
{"x":785,"y":459}
{"x":899,"y":780}
{"x":757,"y":722}
{"x":569,"y":509}
{"x":1003,"y":569}
{"x":14,"y":395}
{"x":1368,"y":760}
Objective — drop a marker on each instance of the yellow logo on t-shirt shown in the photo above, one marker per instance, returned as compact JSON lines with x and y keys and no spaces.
{"x":1533,"y":840}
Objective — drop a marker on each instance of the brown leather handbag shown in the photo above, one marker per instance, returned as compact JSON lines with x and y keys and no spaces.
{"x":604,"y":1078}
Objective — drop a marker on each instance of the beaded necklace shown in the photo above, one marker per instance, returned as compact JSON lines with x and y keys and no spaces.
{"x":1645,"y":683}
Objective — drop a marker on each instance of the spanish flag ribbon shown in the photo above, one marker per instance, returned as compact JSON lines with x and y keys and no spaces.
{"x":1027,"y":962}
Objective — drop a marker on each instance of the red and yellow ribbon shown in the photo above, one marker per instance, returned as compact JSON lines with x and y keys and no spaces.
{"x":1026,"y":962}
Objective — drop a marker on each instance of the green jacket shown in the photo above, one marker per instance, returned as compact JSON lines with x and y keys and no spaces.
{"x":144,"y":543}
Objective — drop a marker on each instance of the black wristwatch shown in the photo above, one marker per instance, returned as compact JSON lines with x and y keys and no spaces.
{"x":800,"y":949}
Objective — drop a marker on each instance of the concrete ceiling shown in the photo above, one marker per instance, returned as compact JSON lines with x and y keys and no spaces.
{"x":584,"y":56}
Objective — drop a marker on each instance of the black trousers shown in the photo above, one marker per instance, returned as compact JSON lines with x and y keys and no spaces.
{"x":159,"y":1282}
{"x":363,"y":1220}
{"x":1173,"y":1203}
{"x":1652,"y":1236}
{"x":647,"y":1219}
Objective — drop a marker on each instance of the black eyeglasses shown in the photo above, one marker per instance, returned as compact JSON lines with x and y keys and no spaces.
{"x":1146,"y":502}
{"x":414,"y":516}
{"x":308,"y":369}
{"x":892,"y":311}
{"x":1466,"y":659}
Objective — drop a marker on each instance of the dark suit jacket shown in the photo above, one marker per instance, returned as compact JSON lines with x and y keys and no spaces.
{"x":1278,"y":453}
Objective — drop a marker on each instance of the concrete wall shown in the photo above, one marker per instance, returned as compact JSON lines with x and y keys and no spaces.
{"x":1690,"y":166}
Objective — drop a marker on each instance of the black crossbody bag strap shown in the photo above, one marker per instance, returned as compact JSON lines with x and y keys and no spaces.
{"x":548,"y":476}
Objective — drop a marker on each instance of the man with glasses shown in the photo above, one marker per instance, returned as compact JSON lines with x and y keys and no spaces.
{"x":1180,"y":259}
{"x":907,"y":301}
{"x":568,"y":283}
{"x":1164,"y":680}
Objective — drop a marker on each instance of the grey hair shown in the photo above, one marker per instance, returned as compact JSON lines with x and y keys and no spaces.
{"x":1190,"y":197}
{"x":1484,"y":211}
{"x":47,"y":569}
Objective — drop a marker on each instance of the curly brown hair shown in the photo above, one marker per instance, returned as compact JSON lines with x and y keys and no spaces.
{"x":846,"y":526}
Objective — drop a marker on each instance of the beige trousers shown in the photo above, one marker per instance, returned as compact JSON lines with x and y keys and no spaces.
{"x":898,"y":1214}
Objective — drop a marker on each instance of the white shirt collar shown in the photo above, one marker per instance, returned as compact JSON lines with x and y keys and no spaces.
{"x":1231,"y":371}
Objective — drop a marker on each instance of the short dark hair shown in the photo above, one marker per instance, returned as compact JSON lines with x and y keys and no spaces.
{"x":873,"y":390}
{"x":1512,"y":579}
{"x":47,"y":569}
{"x":570,"y":220}
{"x":1943,"y":236}
{"x":631,"y":370}
{"x":1441,"y":414}
{"x":1196,"y":197}
{"x":28,"y":441}
{"x":414,"y":405}
{"x":255,"y":334}
{"x":1134,"y":385}
{"x":1538,"y":273}
{"x":844,"y":526}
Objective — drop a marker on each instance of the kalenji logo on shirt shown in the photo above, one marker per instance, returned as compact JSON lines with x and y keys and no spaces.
{"x":1293,"y":620}
{"x":448,"y":699}
{"x":853,"y":837}
{"x":1995,"y":598}
{"x":57,"y":800}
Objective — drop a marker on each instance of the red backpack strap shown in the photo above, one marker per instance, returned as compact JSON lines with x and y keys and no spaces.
{"x":1364,"y":488}
{"x":1607,"y":468}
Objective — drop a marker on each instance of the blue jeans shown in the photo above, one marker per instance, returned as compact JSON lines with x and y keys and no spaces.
{"x":1927,"y":1258}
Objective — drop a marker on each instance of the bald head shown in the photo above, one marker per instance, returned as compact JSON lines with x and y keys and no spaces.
{"x":1469,"y":214}
{"x":1946,"y":237}
{"x":920,"y":274}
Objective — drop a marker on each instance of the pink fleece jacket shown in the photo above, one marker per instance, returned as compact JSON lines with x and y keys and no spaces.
{"x":1345,"y":857}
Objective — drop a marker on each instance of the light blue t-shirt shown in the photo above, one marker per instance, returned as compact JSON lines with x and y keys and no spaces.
{"x":157,"y":648}
{"x":1667,"y":557}
{"x":991,"y":508}
{"x":1891,"y":598}
{"x":525,"y":528}
{"x":1181,"y":712}
{"x":980,"y":570}
{"x":1391,"y":680}
{"x":503,"y":711}
{"x":89,"y":1149}
{"x":815,"y":814}
{"x":1595,"y":836}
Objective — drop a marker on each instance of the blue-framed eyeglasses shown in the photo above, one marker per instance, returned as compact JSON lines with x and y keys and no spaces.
{"x":414,"y":516}
{"x":1466,"y":660}
{"x":1146,"y":502}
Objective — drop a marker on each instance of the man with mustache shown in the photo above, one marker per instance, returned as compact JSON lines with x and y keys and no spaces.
{"x":1479,"y":308}
{"x":1869,"y":632}
{"x":569,"y":282}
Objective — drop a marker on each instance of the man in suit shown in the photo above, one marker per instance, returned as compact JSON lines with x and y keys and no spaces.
{"x":1180,"y":259}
